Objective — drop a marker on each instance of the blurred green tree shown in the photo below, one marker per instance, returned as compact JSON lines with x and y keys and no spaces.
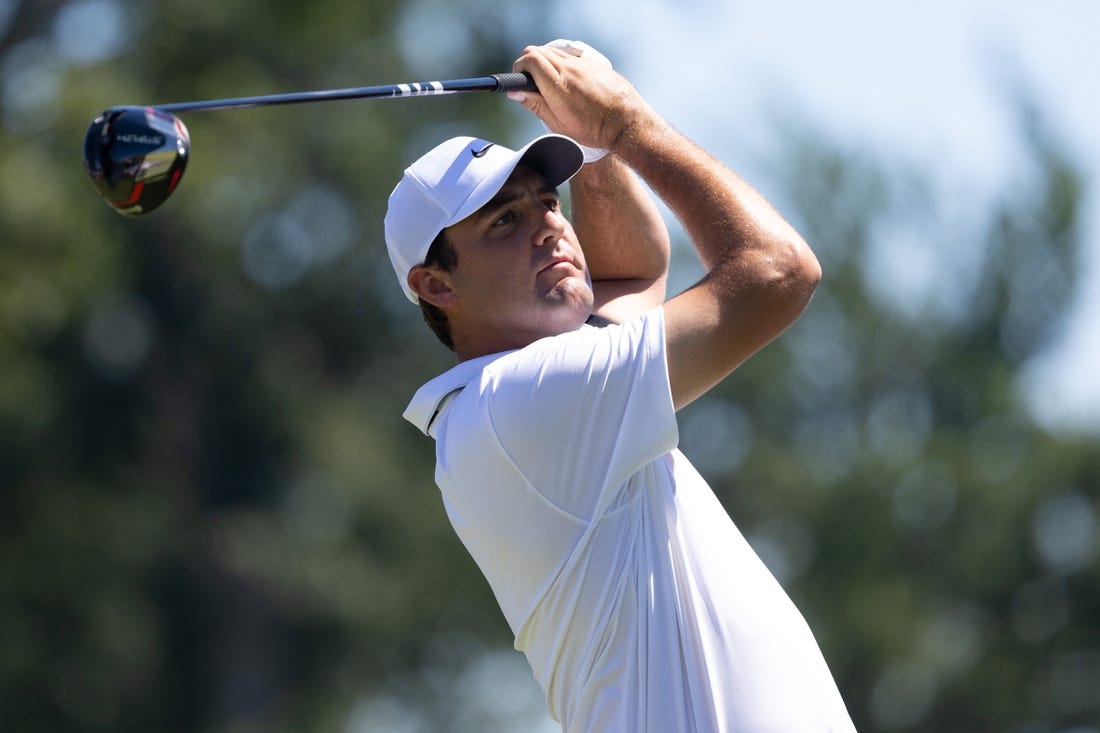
{"x":944,"y":546}
{"x":214,"y":518}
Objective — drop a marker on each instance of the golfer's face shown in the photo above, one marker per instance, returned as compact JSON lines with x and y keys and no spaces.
{"x":521,"y":272}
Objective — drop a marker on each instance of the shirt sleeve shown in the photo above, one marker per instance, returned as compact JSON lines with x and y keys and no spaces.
{"x":579,"y":414}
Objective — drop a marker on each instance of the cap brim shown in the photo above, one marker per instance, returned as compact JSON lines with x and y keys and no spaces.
{"x":555,"y":156}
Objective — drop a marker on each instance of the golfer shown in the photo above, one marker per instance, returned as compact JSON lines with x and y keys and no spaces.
{"x":636,"y":600}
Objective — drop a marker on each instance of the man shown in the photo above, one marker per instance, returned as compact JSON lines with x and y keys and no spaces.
{"x":639,"y":605}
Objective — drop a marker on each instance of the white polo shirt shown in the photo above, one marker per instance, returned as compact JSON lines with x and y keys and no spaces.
{"x":638,"y":603}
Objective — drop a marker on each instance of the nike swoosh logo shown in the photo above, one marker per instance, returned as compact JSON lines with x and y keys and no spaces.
{"x":481,"y":153}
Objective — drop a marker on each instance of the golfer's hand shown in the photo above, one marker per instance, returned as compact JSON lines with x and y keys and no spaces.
{"x":579,"y":95}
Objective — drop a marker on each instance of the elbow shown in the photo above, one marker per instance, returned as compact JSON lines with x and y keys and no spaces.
{"x":801,"y":272}
{"x":810,"y":270}
{"x":774,"y":281}
{"x":785,"y":291}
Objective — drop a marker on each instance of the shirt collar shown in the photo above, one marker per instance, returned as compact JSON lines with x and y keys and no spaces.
{"x":428,"y":401}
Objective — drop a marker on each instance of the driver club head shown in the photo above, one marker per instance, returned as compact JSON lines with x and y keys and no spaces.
{"x":135,"y":157}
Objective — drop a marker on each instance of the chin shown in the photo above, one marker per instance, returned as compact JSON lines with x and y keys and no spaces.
{"x":573,"y":290}
{"x":562,"y":309}
{"x":562,"y":320}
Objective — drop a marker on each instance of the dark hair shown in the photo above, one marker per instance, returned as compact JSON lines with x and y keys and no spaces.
{"x":442,"y":255}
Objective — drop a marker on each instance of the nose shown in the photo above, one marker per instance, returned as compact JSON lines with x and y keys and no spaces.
{"x":551,"y":228}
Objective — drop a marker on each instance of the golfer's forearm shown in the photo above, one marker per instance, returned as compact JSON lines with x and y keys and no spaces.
{"x":735,"y":230}
{"x":617,"y":222}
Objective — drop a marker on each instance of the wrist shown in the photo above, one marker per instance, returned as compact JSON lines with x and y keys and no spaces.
{"x":642,"y":135}
{"x":641,"y":129}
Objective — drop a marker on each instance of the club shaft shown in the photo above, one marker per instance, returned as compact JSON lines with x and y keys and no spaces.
{"x":494,"y":83}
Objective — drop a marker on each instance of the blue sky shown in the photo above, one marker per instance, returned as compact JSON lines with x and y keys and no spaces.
{"x":915,"y":81}
{"x":912,"y":80}
{"x":918,"y":81}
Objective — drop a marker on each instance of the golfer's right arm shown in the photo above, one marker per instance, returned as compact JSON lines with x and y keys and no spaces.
{"x":760,"y":273}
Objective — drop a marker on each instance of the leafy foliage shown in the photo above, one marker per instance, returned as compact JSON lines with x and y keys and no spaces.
{"x":214,"y":518}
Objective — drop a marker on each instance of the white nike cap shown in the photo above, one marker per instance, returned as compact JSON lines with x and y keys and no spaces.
{"x":455,"y":179}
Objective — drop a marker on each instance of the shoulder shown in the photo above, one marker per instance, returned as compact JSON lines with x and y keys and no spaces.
{"x":578,"y":368}
{"x":597,"y":344}
{"x":551,"y":372}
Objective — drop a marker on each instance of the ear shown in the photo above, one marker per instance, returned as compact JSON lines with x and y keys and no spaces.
{"x":433,"y":286}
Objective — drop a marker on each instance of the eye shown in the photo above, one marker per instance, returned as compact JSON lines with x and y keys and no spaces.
{"x":552,"y":204}
{"x":504,"y":219}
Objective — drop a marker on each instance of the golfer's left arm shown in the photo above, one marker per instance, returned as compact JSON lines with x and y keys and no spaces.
{"x":624,"y":238}
{"x":618,"y":225}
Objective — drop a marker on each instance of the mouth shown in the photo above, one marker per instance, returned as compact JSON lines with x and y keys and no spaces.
{"x":557,"y":262}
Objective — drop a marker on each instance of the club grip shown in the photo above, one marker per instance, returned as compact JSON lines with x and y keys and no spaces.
{"x":519,"y":81}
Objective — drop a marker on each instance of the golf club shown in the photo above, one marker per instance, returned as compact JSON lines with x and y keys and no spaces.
{"x":135,"y":155}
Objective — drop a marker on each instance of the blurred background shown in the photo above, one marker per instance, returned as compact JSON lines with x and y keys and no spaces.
{"x":214,"y":520}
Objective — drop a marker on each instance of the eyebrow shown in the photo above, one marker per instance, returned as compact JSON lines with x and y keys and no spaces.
{"x":511,"y":192}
